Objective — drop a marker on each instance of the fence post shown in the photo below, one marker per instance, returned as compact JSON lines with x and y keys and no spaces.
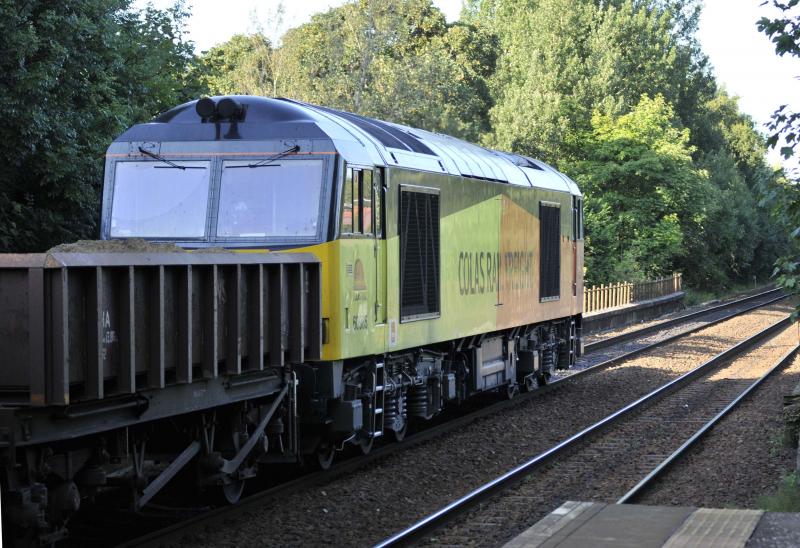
{"x":603,"y":296}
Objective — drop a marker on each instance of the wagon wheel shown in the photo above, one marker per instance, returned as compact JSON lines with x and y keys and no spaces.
{"x":232,"y":488}
{"x":325,"y":454}
{"x":232,"y":492}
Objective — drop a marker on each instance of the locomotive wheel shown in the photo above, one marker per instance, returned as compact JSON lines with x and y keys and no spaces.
{"x":365,"y":444}
{"x":399,"y":435}
{"x":325,"y":454}
{"x":543,"y":379}
{"x":531,"y":383}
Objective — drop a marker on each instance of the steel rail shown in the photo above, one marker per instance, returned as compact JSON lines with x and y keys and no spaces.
{"x":449,"y":512}
{"x":630,"y":354}
{"x":339,"y":469}
{"x":610,"y":341}
{"x":636,"y":492}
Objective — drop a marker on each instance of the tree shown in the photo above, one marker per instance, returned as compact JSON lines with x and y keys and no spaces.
{"x":240,"y":66}
{"x":564,"y":60}
{"x":646,"y":202}
{"x":785,"y":34}
{"x":398,"y":61}
{"x":785,"y":124}
{"x":73,"y":76}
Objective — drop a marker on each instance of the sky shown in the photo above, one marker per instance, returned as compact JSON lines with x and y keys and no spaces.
{"x":744,"y":60}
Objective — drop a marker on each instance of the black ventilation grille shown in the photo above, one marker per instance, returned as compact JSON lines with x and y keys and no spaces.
{"x":419,"y":254}
{"x":549,"y":245}
{"x":388,"y":135}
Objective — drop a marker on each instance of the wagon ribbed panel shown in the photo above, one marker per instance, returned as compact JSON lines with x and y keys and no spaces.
{"x":82,"y":327}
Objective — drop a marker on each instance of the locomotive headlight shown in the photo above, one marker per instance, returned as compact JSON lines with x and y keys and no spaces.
{"x":206,"y":107}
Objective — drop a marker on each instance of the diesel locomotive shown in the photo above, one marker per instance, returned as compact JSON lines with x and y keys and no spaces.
{"x":345,"y":277}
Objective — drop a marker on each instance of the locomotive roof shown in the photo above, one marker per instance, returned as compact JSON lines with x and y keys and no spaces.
{"x":360,"y":140}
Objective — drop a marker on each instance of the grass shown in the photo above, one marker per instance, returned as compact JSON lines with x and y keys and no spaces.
{"x":698,"y":296}
{"x":786,"y":499}
{"x":779,"y":442}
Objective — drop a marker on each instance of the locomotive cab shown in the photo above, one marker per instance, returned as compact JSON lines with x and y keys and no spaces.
{"x":258,"y":176}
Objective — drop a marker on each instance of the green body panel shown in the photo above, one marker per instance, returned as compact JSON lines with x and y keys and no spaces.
{"x":489,"y":260}
{"x":363,"y":332}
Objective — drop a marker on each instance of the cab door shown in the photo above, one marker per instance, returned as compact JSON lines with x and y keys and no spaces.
{"x":380,"y":247}
{"x":364,"y":263}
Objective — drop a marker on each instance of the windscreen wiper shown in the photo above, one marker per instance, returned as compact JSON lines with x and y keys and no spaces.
{"x":168,"y":162}
{"x":268,"y":161}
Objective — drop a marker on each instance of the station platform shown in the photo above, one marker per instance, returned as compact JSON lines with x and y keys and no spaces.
{"x":592,"y":524}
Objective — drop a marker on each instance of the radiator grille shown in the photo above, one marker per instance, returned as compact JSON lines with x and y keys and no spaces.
{"x":419,"y":254}
{"x":550,"y":263}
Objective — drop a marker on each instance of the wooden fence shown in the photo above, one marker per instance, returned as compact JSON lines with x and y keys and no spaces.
{"x":609,"y":296}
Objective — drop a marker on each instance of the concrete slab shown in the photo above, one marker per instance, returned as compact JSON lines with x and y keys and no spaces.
{"x":581,"y":524}
{"x":722,"y":528}
{"x":577,"y":525}
{"x":557,"y":524}
{"x":630,"y":526}
{"x":776,"y":530}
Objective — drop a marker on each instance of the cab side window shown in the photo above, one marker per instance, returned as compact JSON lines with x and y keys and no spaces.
{"x":358,"y":206}
{"x":577,"y":218}
{"x":347,"y":204}
{"x":366,"y":202}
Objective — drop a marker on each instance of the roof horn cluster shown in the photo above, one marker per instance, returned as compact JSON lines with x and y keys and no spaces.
{"x":226,"y":109}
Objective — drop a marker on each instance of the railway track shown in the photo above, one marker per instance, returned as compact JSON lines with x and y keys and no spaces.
{"x":640,"y":489}
{"x":598,"y":453}
{"x":605,"y":342}
{"x":174,"y":532}
{"x":627,"y":345}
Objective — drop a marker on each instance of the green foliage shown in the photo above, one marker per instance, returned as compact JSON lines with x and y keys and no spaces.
{"x":241,"y":66}
{"x":785,"y":34}
{"x":643,"y":193}
{"x":396,"y":61}
{"x":785,"y":499}
{"x":563,"y":60}
{"x":785,"y":124}
{"x":74,"y":75}
{"x":652,"y":208}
